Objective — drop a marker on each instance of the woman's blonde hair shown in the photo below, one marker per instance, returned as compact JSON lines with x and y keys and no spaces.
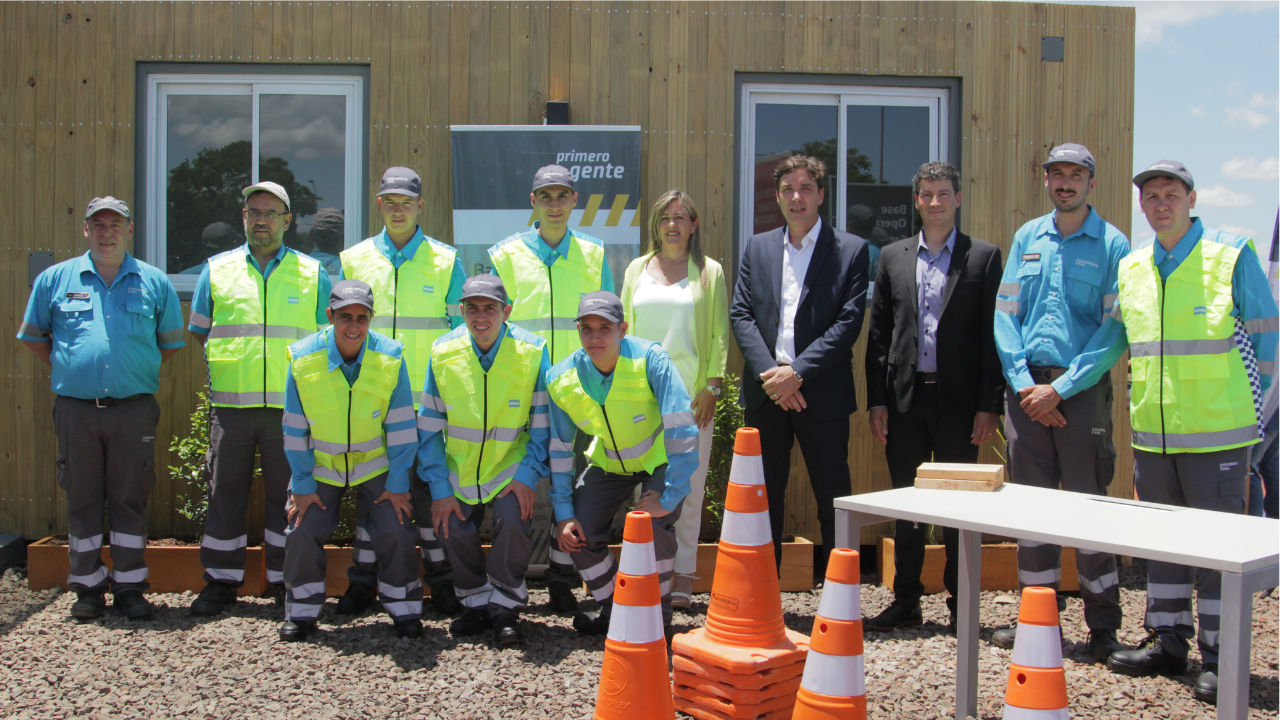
{"x":695,"y":240}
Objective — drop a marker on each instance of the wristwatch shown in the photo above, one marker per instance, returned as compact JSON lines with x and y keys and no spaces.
{"x":796,"y":375}
{"x":715,"y":390}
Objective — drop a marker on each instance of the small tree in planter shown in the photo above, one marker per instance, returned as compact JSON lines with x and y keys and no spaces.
{"x":729,"y":417}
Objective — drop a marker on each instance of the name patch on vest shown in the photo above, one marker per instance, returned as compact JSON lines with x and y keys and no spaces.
{"x":513,"y":403}
{"x":1200,"y":310}
{"x":376,"y":413}
{"x":428,"y":288}
{"x":638,"y":418}
{"x":77,"y":296}
{"x":293,"y":301}
{"x":1028,"y":257}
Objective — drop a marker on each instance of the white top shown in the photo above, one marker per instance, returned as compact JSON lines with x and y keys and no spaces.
{"x":664,"y":314}
{"x":795,"y":265}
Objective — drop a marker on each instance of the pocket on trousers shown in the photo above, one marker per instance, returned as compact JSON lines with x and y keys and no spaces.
{"x":60,"y":472}
{"x":147,"y":474}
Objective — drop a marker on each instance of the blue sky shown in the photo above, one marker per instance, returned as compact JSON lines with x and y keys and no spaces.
{"x":1205,"y":92}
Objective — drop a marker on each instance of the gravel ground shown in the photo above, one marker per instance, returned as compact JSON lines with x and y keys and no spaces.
{"x":233,"y":666}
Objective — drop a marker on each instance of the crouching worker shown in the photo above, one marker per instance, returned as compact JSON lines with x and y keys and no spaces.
{"x":349,"y":423}
{"x":628,"y":395}
{"x":485,"y":385}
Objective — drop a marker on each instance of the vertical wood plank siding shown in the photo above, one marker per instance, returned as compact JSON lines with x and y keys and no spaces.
{"x":67,"y":133}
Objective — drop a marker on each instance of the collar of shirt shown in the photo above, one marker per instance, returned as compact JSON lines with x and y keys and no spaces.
{"x":129,"y":265}
{"x":595,"y":383}
{"x":486,"y":358}
{"x":809,"y":238}
{"x":271,"y":264}
{"x":335,"y":357}
{"x":545,"y":252}
{"x":1183,"y":248}
{"x":949,"y":246}
{"x":405,"y":254}
{"x":1093,"y":226}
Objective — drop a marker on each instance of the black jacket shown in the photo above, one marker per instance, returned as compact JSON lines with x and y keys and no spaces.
{"x":969,"y":375}
{"x":828,"y":319}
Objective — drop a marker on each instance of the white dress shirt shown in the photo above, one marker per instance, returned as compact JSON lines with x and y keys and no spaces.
{"x":795,"y":265}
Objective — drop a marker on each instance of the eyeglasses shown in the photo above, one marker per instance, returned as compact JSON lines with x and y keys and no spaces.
{"x":270,"y":215}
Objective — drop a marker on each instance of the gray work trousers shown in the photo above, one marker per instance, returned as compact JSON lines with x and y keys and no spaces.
{"x":495,"y":583}
{"x":235,"y":434}
{"x":1206,"y":481}
{"x":597,"y":498}
{"x":435,"y":565}
{"x":560,"y":563}
{"x":1078,"y":458}
{"x":106,"y":457}
{"x":399,"y":587}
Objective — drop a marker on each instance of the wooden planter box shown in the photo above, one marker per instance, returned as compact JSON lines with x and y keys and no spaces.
{"x":172,"y":569}
{"x":999,"y":567}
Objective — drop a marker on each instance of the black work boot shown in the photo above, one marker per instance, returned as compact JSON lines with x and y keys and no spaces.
{"x":358,"y":598}
{"x":897,"y":615}
{"x":506,"y":631}
{"x":277,"y":593}
{"x":411,"y":628}
{"x":443,"y":599}
{"x":214,"y":598}
{"x":1149,"y":658}
{"x":472,"y":622}
{"x":296,"y":630}
{"x":89,"y":605}
{"x":563,"y":601}
{"x":1103,"y":644}
{"x":132,"y":604}
{"x":1005,"y":637}
{"x":1206,"y":687}
{"x":597,"y":623}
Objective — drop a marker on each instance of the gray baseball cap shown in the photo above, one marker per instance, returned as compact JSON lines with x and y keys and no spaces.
{"x":485,"y":286}
{"x":1071,"y":153}
{"x":99,"y":204}
{"x":1165,"y":168}
{"x":268,"y":186}
{"x":552,"y":175}
{"x":401,"y":181}
{"x":350,"y":292}
{"x":602,"y":303}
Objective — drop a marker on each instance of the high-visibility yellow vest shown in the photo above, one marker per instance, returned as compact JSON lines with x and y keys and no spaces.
{"x":546,"y":298}
{"x":627,"y":428}
{"x":409,"y":301}
{"x":346,"y":419}
{"x":1190,"y":388}
{"x":486,"y":438}
{"x":254,"y":321}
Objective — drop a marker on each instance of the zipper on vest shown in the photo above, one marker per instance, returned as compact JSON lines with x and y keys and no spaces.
{"x":264,"y":340}
{"x":551,"y":289}
{"x":611,"y":437}
{"x":349,"y":394}
{"x":395,"y":300}
{"x":1164,"y":442}
{"x":484,"y":430}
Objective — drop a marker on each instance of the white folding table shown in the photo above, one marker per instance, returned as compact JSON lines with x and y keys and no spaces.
{"x":1244,"y":549}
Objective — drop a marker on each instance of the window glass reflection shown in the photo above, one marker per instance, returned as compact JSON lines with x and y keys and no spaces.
{"x":785,"y":130}
{"x":302,"y":146}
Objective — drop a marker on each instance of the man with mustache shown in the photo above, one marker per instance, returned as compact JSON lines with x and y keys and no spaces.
{"x":1057,"y":288}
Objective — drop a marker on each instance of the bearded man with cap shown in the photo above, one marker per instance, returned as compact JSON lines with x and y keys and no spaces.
{"x":1057,"y":289}
{"x":547,"y":271}
{"x":104,"y":322}
{"x":624,"y":393}
{"x":249,"y":304}
{"x":483,"y":435}
{"x":416,"y":283}
{"x":349,"y":424}
{"x":1183,"y":303}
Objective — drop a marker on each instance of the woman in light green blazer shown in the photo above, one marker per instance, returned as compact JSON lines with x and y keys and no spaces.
{"x":675,"y":295}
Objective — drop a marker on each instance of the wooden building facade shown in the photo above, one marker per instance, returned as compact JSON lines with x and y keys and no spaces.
{"x":70,"y":104}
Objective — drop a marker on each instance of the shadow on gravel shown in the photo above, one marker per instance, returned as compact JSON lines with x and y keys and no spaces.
{"x":16,"y":610}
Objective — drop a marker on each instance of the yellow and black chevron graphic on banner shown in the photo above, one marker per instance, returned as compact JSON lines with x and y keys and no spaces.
{"x":593,"y":208}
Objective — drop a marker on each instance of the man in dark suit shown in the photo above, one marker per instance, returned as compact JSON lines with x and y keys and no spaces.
{"x":797,"y":310}
{"x":934,"y":384}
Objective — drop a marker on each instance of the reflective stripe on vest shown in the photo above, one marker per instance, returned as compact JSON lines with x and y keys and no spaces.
{"x":485,"y":439}
{"x":547,"y":298}
{"x":408,"y":302}
{"x":346,"y":420}
{"x":1190,"y":388}
{"x":626,"y":427}
{"x":254,"y":321}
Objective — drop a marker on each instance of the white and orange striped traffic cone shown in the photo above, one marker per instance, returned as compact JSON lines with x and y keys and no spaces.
{"x":635,"y":683}
{"x":1037,"y":687}
{"x":834,"y":686}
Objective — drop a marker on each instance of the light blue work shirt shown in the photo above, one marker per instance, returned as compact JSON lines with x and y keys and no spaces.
{"x":202,"y":298}
{"x":549,"y":255}
{"x":1053,"y":297}
{"x":398,"y":425}
{"x":106,"y":340}
{"x":931,"y":282}
{"x":432,"y":467}
{"x":680,"y":431}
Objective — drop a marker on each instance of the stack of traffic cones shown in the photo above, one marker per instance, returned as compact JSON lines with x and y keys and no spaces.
{"x":1037,"y":683}
{"x":634,"y":682}
{"x":744,"y":663}
{"x":833,"y":687}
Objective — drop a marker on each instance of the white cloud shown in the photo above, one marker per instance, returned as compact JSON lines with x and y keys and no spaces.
{"x":1257,"y":111}
{"x":1250,"y":168}
{"x":1222,"y":196}
{"x":1198,"y":111}
{"x":1238,"y":230}
{"x":1153,"y":17}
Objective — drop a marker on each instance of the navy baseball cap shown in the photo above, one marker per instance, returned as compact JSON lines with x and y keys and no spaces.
{"x":350,"y":292}
{"x":401,"y":181}
{"x":1165,"y":168}
{"x":552,"y":175}
{"x":602,"y":303}
{"x":99,"y":204}
{"x":1071,"y":153}
{"x":485,"y":286}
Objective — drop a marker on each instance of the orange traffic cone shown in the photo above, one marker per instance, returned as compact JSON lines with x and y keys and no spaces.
{"x":1037,"y":683}
{"x":833,"y":687}
{"x":634,"y":680}
{"x":744,"y":632}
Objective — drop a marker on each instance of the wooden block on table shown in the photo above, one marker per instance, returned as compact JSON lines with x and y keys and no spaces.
{"x":960,"y":476}
{"x":970,"y":485}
